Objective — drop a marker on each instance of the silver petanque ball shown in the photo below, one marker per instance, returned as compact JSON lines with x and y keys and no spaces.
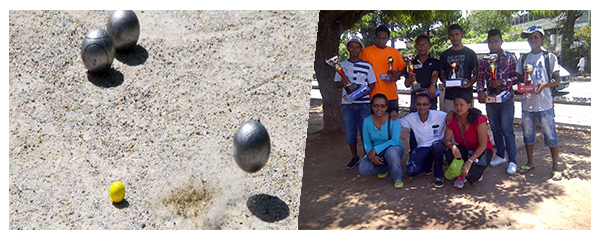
{"x":251,"y":146}
{"x":97,"y":50}
{"x":124,"y":27}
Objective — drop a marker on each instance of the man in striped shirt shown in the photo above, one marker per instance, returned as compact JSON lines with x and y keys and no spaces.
{"x":501,"y":115}
{"x":360,"y":73}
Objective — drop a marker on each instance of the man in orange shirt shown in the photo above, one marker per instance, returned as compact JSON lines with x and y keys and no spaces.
{"x":377,"y":55}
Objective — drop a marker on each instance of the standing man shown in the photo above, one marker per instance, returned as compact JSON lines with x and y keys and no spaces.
{"x":581,"y":66}
{"x":377,"y":55}
{"x":466,"y":66}
{"x":426,"y":70}
{"x":501,"y":115}
{"x":353,"y":113}
{"x":429,"y":129}
{"x":539,"y":105}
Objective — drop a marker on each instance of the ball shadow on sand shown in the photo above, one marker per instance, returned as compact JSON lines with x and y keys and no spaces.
{"x":108,"y":79}
{"x":268,"y":208}
{"x":121,"y":204}
{"x":137,"y":55}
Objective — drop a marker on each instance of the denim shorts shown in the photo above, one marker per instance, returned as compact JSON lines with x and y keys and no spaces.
{"x":352,"y":117}
{"x":547,"y":123}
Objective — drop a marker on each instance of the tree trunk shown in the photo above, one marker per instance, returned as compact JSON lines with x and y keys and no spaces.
{"x":331,"y":25}
{"x":569,"y":56}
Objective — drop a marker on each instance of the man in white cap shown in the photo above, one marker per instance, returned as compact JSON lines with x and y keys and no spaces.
{"x":360,"y":73}
{"x":539,"y":105}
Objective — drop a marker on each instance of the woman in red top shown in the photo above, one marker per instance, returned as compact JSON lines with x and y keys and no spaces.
{"x":469,"y":129}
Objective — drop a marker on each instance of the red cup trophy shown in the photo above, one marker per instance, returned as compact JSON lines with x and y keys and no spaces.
{"x":353,"y":91}
{"x":527,"y":87}
{"x":415,"y":86}
{"x":390,"y":69}
{"x":493,"y":94}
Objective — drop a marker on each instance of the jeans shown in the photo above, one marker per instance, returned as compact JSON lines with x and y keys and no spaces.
{"x":422,"y":158}
{"x":546,"y":119}
{"x":393,"y":155}
{"x":475,"y":171}
{"x":501,"y":117}
{"x":352,"y":117}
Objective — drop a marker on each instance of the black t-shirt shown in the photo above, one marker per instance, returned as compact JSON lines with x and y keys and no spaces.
{"x":423,"y":72}
{"x":466,"y":60}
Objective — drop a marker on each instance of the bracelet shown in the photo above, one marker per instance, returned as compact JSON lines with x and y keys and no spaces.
{"x":470,"y":160}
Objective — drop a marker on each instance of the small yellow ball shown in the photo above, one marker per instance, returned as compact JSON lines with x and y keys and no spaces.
{"x":117,"y":192}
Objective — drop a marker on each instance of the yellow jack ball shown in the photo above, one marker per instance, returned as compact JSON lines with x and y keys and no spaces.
{"x":117,"y":192}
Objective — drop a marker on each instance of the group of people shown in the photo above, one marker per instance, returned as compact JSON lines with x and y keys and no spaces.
{"x":458,"y":131}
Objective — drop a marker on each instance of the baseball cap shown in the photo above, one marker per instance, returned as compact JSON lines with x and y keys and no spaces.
{"x":354,"y":38}
{"x":530,"y":30}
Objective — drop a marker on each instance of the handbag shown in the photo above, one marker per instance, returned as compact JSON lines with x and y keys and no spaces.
{"x":455,"y":168}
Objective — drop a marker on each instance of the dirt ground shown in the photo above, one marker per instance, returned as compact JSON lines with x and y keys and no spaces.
{"x":335,"y":198}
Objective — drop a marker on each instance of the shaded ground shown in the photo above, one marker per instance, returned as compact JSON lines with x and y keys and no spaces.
{"x":335,"y":198}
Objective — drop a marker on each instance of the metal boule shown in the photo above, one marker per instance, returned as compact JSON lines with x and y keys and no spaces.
{"x":97,"y":50}
{"x":124,"y":27}
{"x":251,"y":146}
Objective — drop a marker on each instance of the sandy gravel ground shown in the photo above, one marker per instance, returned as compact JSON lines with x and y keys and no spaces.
{"x":161,"y":120}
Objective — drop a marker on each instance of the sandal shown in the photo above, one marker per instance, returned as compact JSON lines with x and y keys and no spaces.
{"x":525,"y":169}
{"x":556,"y":175}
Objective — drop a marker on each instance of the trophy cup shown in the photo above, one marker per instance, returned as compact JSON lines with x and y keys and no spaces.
{"x":527,"y":87}
{"x":353,"y":91}
{"x":415,"y":86}
{"x":454,"y":81}
{"x":390,"y":61}
{"x":453,"y":66}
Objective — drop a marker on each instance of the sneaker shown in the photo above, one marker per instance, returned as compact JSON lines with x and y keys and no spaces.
{"x":428,"y":172}
{"x":512,"y":168}
{"x":439,"y":182}
{"x":497,"y":161}
{"x":382,"y":175}
{"x":398,"y":183}
{"x":353,"y":163}
{"x":460,"y":182}
{"x":480,"y":178}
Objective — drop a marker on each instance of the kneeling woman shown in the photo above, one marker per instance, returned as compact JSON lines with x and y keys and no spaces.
{"x":469,"y":129}
{"x":381,"y":137}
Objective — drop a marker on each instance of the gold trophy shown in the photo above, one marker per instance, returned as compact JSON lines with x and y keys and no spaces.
{"x":390,"y":61}
{"x":453,"y":66}
{"x":353,"y":91}
{"x":334,"y":62}
{"x":415,"y":86}
{"x":491,"y":59}
{"x":528,"y":69}
{"x":527,"y":87}
{"x":454,"y":81}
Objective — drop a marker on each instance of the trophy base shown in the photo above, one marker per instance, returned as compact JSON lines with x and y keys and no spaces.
{"x":498,"y":98}
{"x":453,"y":83}
{"x":357,"y":94}
{"x":526,"y":89}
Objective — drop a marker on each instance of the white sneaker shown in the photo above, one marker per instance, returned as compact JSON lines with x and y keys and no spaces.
{"x":497,"y":161}
{"x":512,"y":168}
